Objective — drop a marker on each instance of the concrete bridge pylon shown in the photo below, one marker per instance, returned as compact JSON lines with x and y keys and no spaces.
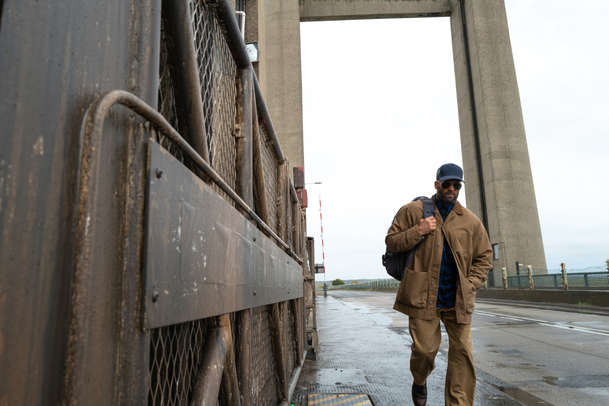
{"x":494,"y":147}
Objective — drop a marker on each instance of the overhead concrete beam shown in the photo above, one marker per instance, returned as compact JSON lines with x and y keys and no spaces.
{"x":327,"y":10}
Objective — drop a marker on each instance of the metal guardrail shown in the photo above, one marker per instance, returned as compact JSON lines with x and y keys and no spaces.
{"x":375,"y":284}
{"x":586,"y":280}
{"x":591,"y":280}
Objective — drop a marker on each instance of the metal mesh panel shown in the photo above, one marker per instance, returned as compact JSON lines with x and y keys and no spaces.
{"x":290,"y":339}
{"x":166,"y":96}
{"x":289,"y":220}
{"x":588,"y":279}
{"x":218,"y":76}
{"x":175,"y":357}
{"x":265,"y":382}
{"x":547,"y":281}
{"x":269,"y":169}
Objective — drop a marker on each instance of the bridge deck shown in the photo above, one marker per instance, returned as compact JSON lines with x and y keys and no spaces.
{"x":524,"y":355}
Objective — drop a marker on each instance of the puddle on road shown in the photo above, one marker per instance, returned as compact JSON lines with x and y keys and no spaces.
{"x":578,"y":381}
{"x":521,"y":395}
{"x":509,"y":351}
{"x":339,"y":376}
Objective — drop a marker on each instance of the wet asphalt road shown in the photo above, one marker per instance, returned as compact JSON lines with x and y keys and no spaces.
{"x":523,"y":355}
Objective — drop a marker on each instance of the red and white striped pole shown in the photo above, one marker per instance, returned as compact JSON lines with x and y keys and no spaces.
{"x":323,"y":250}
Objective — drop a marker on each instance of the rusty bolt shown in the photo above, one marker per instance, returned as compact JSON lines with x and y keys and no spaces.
{"x":155,"y":296}
{"x":158,"y":173}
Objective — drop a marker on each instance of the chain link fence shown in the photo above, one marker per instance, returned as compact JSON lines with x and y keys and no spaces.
{"x":270,"y":171}
{"x":175,"y":358}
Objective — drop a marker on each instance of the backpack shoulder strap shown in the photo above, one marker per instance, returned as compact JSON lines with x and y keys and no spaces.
{"x":428,"y":206}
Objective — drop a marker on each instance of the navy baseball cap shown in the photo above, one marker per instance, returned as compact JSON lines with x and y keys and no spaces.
{"x":449,"y":171}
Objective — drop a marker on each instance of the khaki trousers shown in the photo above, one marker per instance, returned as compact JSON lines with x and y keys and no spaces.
{"x":460,"y":374}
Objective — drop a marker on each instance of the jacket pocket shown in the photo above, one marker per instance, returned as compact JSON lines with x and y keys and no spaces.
{"x":469,"y":294}
{"x":415,"y":288}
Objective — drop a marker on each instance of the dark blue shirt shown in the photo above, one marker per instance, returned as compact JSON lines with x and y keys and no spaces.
{"x":447,"y":286}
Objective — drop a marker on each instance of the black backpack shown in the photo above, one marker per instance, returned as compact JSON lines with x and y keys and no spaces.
{"x":396,"y":262}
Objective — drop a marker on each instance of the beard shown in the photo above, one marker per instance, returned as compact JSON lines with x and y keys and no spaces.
{"x":447,"y":197}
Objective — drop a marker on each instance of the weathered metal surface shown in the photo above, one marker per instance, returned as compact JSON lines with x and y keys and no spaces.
{"x":55,"y":58}
{"x":203,"y":257}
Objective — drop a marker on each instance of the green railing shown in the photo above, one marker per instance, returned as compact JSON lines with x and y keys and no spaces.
{"x":590,"y":280}
{"x":574,"y":280}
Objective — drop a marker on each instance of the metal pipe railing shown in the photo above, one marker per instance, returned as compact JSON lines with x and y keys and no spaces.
{"x":237,"y":47}
{"x":103,"y":105}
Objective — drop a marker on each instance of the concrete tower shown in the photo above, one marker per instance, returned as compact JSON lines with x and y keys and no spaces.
{"x":495,"y":154}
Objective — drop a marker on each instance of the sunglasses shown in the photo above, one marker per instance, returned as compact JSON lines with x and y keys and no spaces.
{"x":446,"y":184}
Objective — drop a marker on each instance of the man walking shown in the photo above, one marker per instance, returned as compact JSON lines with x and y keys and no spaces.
{"x":450,"y":263}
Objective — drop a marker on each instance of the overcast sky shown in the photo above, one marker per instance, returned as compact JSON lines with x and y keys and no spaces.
{"x":380,"y":115}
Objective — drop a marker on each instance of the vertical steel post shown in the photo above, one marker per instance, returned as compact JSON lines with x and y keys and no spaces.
{"x":244,"y":138}
{"x":184,"y":65}
{"x":260,"y":198}
{"x":586,"y":279}
{"x":246,"y":191}
{"x":279,"y":348}
{"x":280,"y":201}
{"x":556,"y":281}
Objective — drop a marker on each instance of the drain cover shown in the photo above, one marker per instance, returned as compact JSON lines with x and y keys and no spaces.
{"x":342,"y":399}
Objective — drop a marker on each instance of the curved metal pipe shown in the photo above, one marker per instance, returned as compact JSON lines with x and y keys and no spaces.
{"x":140,"y":107}
{"x":209,"y":378}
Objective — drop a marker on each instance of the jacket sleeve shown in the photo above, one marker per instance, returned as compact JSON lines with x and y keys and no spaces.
{"x":481,"y":258}
{"x":402,"y":235}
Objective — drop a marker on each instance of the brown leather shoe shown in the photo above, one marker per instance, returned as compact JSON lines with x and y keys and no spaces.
{"x":419,"y":394}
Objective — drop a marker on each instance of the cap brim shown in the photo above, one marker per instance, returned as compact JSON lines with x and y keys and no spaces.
{"x":443,"y":178}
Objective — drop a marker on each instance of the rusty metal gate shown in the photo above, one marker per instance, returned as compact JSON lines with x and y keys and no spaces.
{"x":153,"y":243}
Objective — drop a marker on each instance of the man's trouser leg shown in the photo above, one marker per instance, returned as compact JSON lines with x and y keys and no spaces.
{"x":460,"y":373}
{"x":426,"y":338}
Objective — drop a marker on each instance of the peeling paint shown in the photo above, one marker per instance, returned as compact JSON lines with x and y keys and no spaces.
{"x":38,"y":148}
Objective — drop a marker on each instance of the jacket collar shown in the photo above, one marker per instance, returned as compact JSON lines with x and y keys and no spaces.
{"x":457,"y":208}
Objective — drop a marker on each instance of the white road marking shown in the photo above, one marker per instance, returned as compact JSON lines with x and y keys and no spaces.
{"x":546,"y":323}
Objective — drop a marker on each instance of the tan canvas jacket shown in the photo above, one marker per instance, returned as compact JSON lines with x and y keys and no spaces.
{"x":469,"y":243}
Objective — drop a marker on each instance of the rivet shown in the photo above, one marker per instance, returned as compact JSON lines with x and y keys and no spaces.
{"x":158,"y":173}
{"x":155,"y":295}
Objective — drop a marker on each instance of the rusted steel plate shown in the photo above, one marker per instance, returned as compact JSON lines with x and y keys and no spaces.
{"x":203,"y":257}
